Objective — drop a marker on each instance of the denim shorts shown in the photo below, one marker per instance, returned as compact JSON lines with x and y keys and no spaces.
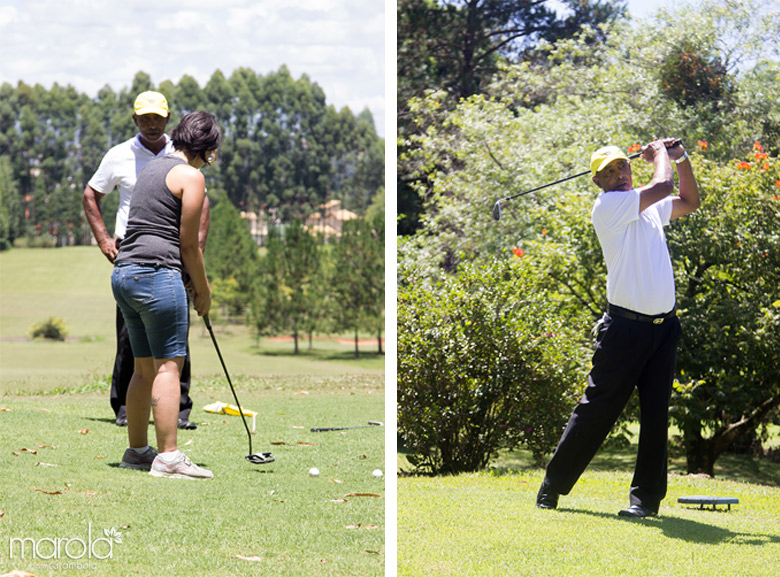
{"x":154,"y":303}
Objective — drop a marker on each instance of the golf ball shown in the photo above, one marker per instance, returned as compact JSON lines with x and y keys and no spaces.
{"x":314,"y":471}
{"x":377,"y":473}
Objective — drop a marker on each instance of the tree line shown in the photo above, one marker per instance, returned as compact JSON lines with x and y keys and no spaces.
{"x":459,"y":47}
{"x":284,"y":153}
{"x":285,"y":150}
{"x":300,"y":283}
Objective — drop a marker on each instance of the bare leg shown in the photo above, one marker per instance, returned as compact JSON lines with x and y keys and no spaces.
{"x":138,"y":402}
{"x":165,"y":402}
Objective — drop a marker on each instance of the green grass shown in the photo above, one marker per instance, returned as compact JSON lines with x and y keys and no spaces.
{"x":284,"y":521}
{"x":74,"y":284}
{"x":483,"y":524}
{"x":488,"y":524}
{"x":290,"y":523}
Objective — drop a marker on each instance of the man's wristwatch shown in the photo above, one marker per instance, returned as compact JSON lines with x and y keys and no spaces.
{"x":683,"y":157}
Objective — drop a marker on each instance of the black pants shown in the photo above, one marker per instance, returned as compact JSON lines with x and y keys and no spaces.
{"x":124,"y":364}
{"x":630,"y":354}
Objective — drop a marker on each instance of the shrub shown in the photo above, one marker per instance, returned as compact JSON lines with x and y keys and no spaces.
{"x":53,"y":328}
{"x":727,"y":264}
{"x":485,"y":363}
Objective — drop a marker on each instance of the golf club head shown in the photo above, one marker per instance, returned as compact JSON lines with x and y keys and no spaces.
{"x":497,"y":210}
{"x":260,"y":458}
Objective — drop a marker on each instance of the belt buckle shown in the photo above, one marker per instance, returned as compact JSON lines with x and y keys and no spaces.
{"x":658,"y":321}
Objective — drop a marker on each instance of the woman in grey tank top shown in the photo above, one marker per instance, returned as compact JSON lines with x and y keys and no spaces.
{"x":160,"y":245}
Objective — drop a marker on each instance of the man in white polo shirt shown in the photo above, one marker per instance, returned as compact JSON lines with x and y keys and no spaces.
{"x":119,"y":169}
{"x":636,"y":343}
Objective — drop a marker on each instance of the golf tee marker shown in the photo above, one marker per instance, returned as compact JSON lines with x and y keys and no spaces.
{"x":702,"y":500}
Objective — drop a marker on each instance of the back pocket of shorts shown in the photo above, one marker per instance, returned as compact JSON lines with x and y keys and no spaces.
{"x":139,"y":287}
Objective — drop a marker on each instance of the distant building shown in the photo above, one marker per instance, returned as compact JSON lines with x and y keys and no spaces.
{"x":329,"y":219}
{"x":258,"y":226}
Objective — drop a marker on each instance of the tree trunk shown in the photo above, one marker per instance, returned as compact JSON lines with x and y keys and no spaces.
{"x":295,"y":338}
{"x":357,"y":352}
{"x":379,"y":342}
{"x":698,"y":454}
{"x":702,"y":453}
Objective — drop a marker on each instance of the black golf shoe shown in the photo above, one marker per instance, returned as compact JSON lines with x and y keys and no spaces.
{"x":187,"y":424}
{"x":637,"y":511}
{"x":546,"y":498}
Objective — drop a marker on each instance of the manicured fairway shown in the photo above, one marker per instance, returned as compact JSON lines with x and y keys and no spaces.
{"x":60,"y":479}
{"x":477,"y":525}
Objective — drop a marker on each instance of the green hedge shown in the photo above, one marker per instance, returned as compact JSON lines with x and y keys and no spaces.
{"x":485,"y":362}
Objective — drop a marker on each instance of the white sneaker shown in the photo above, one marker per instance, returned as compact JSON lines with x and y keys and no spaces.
{"x":133,"y":460}
{"x":180,"y":468}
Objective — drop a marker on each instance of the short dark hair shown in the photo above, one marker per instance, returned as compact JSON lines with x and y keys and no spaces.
{"x":197,"y":133}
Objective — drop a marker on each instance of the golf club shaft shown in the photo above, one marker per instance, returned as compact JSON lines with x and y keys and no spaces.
{"x":224,"y":368}
{"x":324,"y":429}
{"x":677,"y":142}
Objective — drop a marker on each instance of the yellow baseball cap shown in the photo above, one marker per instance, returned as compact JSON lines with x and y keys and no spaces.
{"x":603,"y":156}
{"x":151,"y":102}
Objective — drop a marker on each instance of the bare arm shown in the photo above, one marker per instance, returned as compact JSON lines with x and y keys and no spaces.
{"x":662,"y":183}
{"x":205,"y":223}
{"x":188,"y":183}
{"x":90,"y":200}
{"x":688,"y":199}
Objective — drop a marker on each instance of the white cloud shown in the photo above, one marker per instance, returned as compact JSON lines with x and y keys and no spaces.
{"x":7,"y":15}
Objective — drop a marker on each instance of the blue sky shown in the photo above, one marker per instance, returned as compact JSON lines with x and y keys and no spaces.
{"x":644,"y":8}
{"x":641,"y":8}
{"x":339,"y":44}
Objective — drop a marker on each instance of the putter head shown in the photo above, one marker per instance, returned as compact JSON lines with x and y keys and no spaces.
{"x":260,"y":458}
{"x":497,"y":210}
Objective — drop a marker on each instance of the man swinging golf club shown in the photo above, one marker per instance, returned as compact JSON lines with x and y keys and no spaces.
{"x":636,"y":339}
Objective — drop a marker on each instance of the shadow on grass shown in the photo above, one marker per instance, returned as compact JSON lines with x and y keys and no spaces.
{"x":101,"y":420}
{"x":687,"y":530}
{"x":319,"y":354}
{"x":730,"y":467}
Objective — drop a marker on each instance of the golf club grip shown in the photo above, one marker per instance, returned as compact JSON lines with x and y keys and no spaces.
{"x":677,"y":142}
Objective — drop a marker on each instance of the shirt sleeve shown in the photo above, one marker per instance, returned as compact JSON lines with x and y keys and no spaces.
{"x":664,"y":208}
{"x":616,"y":209}
{"x":105,"y":178}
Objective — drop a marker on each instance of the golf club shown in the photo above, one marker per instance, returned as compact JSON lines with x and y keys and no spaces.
{"x":370,"y":424}
{"x":256,"y":458}
{"x":497,"y":206}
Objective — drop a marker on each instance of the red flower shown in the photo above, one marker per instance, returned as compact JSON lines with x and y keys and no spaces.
{"x":758,"y":147}
{"x":761,"y":155}
{"x":635,"y":148}
{"x":744,"y":166}
{"x":703,"y":144}
{"x":777,"y":183}
{"x":518,"y":252}
{"x":765,"y":167}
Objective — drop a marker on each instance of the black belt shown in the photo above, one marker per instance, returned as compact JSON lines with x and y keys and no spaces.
{"x":631,"y":315}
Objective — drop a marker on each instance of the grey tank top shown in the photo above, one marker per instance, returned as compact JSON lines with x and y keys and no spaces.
{"x":154,"y":221}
